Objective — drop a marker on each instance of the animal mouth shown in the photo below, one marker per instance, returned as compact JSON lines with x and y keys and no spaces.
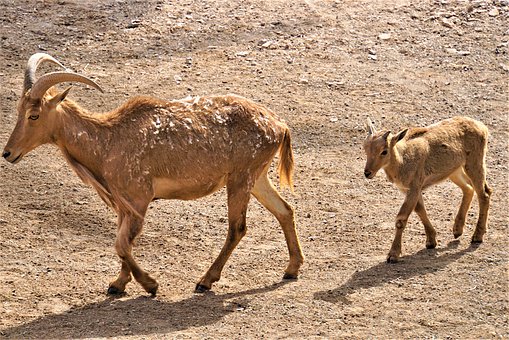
{"x":369,"y":174}
{"x":15,"y":160}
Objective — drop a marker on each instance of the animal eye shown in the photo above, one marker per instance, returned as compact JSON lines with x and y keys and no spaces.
{"x":33,"y":117}
{"x":384,"y":153}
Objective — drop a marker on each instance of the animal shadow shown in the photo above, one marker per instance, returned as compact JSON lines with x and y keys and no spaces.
{"x":422,"y":262}
{"x":140,"y":316}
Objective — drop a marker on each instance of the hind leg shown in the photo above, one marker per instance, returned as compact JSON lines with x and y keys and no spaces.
{"x":476,"y":171}
{"x":267,"y":195}
{"x":460,"y":178}
{"x":238,"y":199}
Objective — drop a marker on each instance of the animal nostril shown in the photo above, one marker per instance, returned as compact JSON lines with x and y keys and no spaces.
{"x":6,"y":154}
{"x":367,"y":173}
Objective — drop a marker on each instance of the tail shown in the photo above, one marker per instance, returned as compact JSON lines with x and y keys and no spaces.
{"x":285,"y":167}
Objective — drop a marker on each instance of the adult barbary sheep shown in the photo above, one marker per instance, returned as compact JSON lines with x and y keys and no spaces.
{"x":149,"y":149}
{"x":417,"y":158}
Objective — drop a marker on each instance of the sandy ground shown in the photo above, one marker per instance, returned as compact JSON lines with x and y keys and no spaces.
{"x":322,"y":65}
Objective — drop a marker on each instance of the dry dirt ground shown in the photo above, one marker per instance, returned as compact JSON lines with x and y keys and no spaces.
{"x":322,"y":65}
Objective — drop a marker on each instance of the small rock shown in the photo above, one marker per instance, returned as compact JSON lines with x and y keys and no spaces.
{"x":242,"y":54}
{"x":372,"y":56}
{"x":447,"y":23}
{"x":303,"y":81}
{"x":455,"y":51}
{"x":134,"y":23}
{"x":493,"y":12}
{"x":335,"y":84}
{"x":267,"y":44}
{"x":384,"y":36}
{"x":504,"y":67}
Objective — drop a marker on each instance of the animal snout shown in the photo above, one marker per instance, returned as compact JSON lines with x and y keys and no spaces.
{"x":367,"y":173}
{"x":6,"y":154}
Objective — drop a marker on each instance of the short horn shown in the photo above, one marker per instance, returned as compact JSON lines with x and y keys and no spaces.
{"x":34,"y":61}
{"x":48,"y":80}
{"x":370,"y":127}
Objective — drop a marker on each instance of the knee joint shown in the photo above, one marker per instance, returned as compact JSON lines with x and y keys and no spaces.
{"x":400,"y":224}
{"x":487,"y":190}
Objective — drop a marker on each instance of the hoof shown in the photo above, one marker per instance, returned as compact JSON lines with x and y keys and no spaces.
{"x":114,"y":291}
{"x":431,"y":246}
{"x":392,"y":259}
{"x":152,"y":291}
{"x":476,"y":241}
{"x":201,"y":288}
{"x":289,"y":276}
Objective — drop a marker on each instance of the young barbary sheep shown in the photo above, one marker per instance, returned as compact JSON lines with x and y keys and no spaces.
{"x":417,"y":158}
{"x":149,"y":149}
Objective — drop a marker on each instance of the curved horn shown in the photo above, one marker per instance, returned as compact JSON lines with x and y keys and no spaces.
{"x":34,"y":61}
{"x":370,"y":127}
{"x":48,"y":80}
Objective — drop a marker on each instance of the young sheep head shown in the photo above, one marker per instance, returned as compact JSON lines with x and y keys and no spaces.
{"x":379,"y":148}
{"x":37,"y":109}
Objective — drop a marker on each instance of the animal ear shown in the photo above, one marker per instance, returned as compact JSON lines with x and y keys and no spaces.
{"x":400,"y":136}
{"x":386,"y":135}
{"x":370,"y":127}
{"x":60,"y":97}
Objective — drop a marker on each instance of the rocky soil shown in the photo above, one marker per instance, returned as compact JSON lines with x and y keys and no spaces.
{"x":322,"y":65}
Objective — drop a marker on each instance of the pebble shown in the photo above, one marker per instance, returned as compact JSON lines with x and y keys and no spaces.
{"x":242,"y":54}
{"x":447,"y":23}
{"x":267,"y":44}
{"x":455,"y":51}
{"x":134,"y":23}
{"x":493,"y":12}
{"x":384,"y":36}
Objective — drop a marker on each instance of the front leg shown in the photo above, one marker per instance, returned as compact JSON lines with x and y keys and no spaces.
{"x":118,"y":286}
{"x":411,"y":199}
{"x":128,"y":231}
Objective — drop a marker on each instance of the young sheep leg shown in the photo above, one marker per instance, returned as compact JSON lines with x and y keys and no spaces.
{"x":460,"y":178}
{"x":238,"y":199}
{"x":431,"y":234}
{"x":130,"y":228}
{"x":411,"y":199}
{"x":477,"y":172}
{"x":267,"y":195}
